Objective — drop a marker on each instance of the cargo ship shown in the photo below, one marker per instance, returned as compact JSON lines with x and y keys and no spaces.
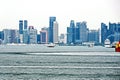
{"x":45,"y":48}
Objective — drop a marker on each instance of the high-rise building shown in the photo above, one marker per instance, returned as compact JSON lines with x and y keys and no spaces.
{"x":77,"y":32}
{"x":10,"y":36}
{"x":25,"y":24}
{"x":43,"y":36}
{"x":83,"y":32}
{"x":55,"y":32}
{"x":118,"y":25}
{"x":47,"y":30}
{"x":71,"y":33}
{"x":38,"y":38}
{"x":1,"y":35}
{"x":6,"y":36}
{"x":14,"y":36}
{"x":104,"y":32}
{"x":112,"y":28}
{"x":62,"y":39}
{"x":93,"y":36}
{"x":25,"y":36}
{"x":51,"y":23}
{"x":32,"y":35}
{"x":20,"y":26}
{"x":114,"y":32}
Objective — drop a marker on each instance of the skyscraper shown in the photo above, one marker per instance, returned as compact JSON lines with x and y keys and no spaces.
{"x":71,"y":33}
{"x":77,"y":32}
{"x":83,"y":32}
{"x":47,"y":30}
{"x":38,"y":38}
{"x":20,"y":26}
{"x":25,"y":36}
{"x":25,"y":24}
{"x":10,"y":36}
{"x":43,"y":36}
{"x":62,"y":39}
{"x":104,"y":32}
{"x":93,"y":36}
{"x":51,"y":22}
{"x":114,"y":32}
{"x":6,"y":36}
{"x":55,"y":32}
{"x":32,"y":35}
{"x":1,"y":35}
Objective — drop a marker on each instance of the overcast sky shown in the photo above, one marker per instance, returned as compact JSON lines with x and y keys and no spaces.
{"x":37,"y":12}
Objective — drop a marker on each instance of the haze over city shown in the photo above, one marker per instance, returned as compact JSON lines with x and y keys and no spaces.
{"x":37,"y":12}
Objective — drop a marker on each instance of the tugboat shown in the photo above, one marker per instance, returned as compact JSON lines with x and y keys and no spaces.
{"x":117,"y":47}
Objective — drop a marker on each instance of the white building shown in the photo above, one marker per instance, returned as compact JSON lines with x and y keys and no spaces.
{"x":55,"y":32}
{"x":10,"y":36}
{"x":32,"y":35}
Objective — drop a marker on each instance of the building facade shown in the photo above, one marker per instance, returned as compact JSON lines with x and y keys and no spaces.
{"x":55,"y":32}
{"x":25,"y":24}
{"x":93,"y":36}
{"x":10,"y":36}
{"x":83,"y":32}
{"x":43,"y":37}
{"x":51,"y":23}
{"x":25,"y":36}
{"x":71,"y":33}
{"x":32,"y":35}
{"x":104,"y":32}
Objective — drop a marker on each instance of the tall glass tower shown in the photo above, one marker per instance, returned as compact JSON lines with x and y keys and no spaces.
{"x":71,"y":33}
{"x":104,"y":32}
{"x":83,"y":31}
{"x":25,"y":24}
{"x":51,"y":22}
{"x":20,"y":26}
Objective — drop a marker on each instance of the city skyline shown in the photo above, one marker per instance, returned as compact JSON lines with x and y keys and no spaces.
{"x":77,"y":33}
{"x":37,"y":12}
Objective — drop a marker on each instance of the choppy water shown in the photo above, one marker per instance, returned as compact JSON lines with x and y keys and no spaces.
{"x":60,"y":66}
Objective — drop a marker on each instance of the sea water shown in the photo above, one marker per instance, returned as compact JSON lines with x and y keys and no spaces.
{"x":60,"y":66}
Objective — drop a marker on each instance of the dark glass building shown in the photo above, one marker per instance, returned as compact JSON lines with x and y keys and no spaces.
{"x":77,"y":32}
{"x":104,"y":32}
{"x":25,"y":24}
{"x":20,"y":26}
{"x":83,"y":31}
{"x":43,"y":36}
{"x":25,"y":36}
{"x":93,"y":36}
{"x":1,"y":35}
{"x":114,"y":32}
{"x":38,"y":38}
{"x":51,"y":22}
{"x":71,"y":33}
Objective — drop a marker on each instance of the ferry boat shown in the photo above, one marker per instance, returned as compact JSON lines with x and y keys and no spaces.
{"x":107,"y":43}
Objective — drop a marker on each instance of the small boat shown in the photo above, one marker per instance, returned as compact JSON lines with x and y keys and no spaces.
{"x":107,"y":43}
{"x":51,"y":45}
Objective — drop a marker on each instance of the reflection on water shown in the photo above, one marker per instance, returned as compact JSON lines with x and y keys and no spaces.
{"x":60,"y":66}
